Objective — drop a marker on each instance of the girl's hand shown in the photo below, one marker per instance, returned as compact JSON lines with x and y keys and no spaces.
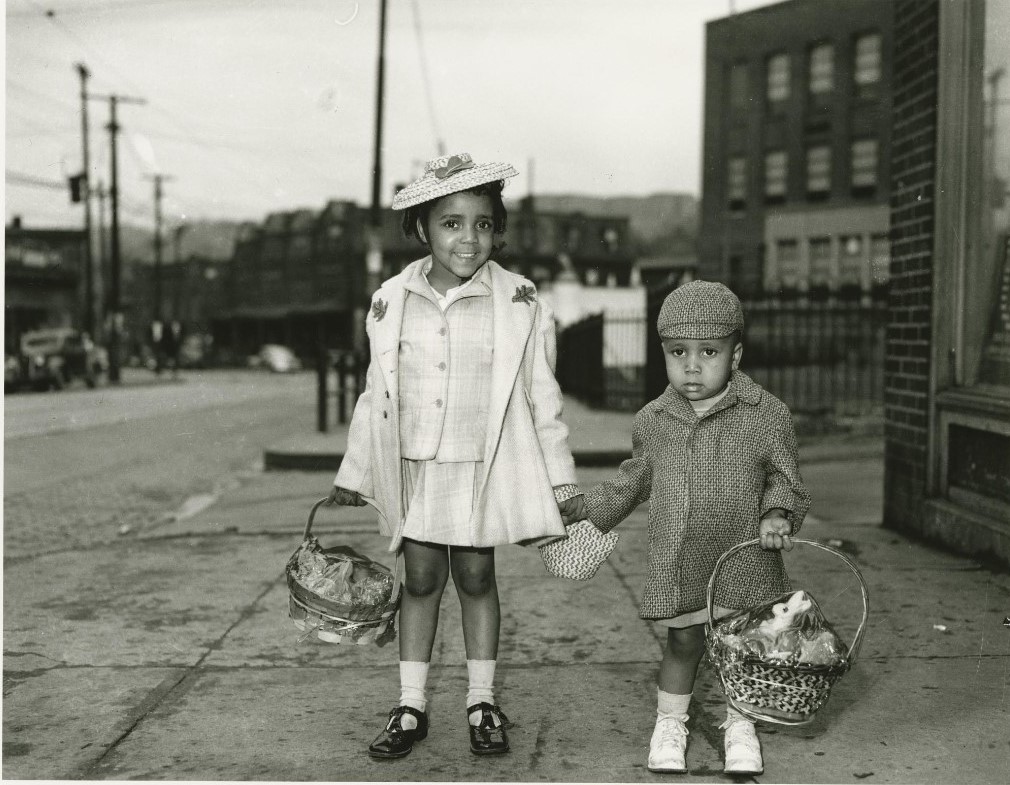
{"x":344,"y":497}
{"x":572,"y":510}
{"x":774,"y":532}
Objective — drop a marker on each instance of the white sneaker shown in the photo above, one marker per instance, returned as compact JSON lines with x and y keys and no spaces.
{"x":743,"y":750}
{"x":668,"y":746}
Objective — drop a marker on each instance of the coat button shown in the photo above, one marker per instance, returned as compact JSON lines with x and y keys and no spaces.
{"x":387,"y":393}
{"x":438,"y":403}
{"x":385,"y":415}
{"x":441,"y":366}
{"x":442,"y":331}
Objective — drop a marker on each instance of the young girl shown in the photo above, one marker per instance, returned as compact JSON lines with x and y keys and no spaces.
{"x":457,"y":440}
{"x":715,"y":455}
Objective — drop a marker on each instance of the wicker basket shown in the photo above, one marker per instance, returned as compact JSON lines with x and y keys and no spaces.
{"x":772,"y":692}
{"x":337,"y":622}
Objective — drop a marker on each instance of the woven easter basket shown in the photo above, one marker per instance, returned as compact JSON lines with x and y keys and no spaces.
{"x":579,"y":555}
{"x":363,"y":612}
{"x":777,"y":693}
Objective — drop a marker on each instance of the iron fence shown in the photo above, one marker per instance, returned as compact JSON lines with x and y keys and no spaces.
{"x":819,"y":357}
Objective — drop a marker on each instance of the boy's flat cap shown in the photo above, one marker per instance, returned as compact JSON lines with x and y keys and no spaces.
{"x":700,"y":309}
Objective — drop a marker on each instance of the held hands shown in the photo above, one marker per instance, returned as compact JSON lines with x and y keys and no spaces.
{"x":775,"y":531}
{"x":344,"y":497}
{"x":572,"y":510}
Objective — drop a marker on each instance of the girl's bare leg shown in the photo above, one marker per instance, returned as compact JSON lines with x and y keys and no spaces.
{"x":426,"y":568}
{"x":474,"y":576}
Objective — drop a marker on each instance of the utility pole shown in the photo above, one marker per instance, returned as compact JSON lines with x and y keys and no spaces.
{"x":181,"y":275}
{"x":158,"y":180}
{"x":101,"y":258}
{"x":114,"y":309}
{"x":373,"y":254}
{"x":89,"y":273}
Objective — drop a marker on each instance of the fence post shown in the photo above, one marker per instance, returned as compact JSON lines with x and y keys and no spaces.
{"x":322,"y":371}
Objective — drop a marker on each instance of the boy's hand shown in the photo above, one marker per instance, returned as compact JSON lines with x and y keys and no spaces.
{"x":344,"y":497}
{"x":774,"y":532}
{"x":572,"y":510}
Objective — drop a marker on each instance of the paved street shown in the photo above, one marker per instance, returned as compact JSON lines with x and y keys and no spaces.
{"x":80,"y":465}
{"x":168,"y":654}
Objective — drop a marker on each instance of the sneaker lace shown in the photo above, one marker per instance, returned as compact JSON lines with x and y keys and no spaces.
{"x":741,"y":732}
{"x":671,"y":730}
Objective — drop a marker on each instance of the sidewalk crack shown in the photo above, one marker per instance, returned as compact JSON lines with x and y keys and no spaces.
{"x":171,"y":686}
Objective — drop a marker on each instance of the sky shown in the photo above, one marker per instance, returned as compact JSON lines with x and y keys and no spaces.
{"x":253,"y":106}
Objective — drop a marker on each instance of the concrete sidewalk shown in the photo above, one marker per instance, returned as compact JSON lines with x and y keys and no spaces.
{"x":597,"y":437}
{"x":169,"y":655}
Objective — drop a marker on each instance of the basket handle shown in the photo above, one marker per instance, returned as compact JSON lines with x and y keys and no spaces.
{"x":397,"y":567}
{"x":856,"y":641}
{"x":312,"y":515}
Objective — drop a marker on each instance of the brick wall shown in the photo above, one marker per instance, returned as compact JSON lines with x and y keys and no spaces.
{"x":913,"y":156}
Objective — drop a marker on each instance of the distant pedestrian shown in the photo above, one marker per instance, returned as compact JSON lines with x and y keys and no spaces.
{"x":156,"y":341}
{"x":171,"y":344}
{"x":457,"y":439}
{"x":715,"y":456}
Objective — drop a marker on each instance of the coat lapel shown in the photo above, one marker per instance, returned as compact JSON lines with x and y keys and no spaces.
{"x":386,"y":329}
{"x":513,"y":321}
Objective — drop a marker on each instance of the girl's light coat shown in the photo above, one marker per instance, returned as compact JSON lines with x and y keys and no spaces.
{"x":526,"y":450}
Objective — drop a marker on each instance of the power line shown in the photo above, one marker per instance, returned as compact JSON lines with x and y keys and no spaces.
{"x":439,"y":142}
{"x":19,"y":178}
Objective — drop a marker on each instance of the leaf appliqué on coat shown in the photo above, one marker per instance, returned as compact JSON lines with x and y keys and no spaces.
{"x":524,"y":294}
{"x":378,"y":309}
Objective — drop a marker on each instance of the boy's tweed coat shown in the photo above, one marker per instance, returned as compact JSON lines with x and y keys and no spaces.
{"x":708,"y":481}
{"x":526,"y":446}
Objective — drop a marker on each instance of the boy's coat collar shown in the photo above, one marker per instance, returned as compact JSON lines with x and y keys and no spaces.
{"x":742,"y":389}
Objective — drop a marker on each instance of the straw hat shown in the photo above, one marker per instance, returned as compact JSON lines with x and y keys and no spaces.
{"x":447,"y":175}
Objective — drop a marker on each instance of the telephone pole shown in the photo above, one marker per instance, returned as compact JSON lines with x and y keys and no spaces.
{"x":89,"y":272}
{"x":373,"y":253}
{"x":158,"y":180}
{"x":114,"y":310}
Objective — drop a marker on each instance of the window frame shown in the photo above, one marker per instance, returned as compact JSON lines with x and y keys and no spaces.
{"x":812,"y":77}
{"x":778,"y":91}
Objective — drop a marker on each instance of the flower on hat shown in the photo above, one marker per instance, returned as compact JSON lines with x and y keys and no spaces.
{"x":453,"y":165}
{"x":378,"y":309}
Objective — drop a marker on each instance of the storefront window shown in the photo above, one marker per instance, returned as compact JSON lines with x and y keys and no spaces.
{"x":994,"y":363}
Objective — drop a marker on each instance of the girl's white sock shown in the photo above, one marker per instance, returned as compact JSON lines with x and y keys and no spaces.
{"x":413,"y":678}
{"x":669,"y":704}
{"x":481,"y":688}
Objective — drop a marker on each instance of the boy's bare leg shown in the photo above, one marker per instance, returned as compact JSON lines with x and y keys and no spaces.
{"x":684,"y":649}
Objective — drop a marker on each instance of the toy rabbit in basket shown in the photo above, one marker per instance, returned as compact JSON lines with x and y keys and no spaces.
{"x":457,"y":439}
{"x":716,"y":458}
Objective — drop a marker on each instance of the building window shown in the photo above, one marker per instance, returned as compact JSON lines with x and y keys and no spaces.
{"x":821,"y":267}
{"x":818,"y":172}
{"x":787,"y":261}
{"x":864,"y":167}
{"x":778,"y":77}
{"x":868,"y":58}
{"x":851,"y":260}
{"x":776,"y":170}
{"x":822,"y":69}
{"x":880,"y":259}
{"x":739,"y":88}
{"x":736,"y":183}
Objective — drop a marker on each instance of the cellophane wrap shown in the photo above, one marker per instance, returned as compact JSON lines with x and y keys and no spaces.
{"x":789,"y":630}
{"x":354,"y":585}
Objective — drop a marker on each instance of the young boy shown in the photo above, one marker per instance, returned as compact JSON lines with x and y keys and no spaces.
{"x":715,"y":455}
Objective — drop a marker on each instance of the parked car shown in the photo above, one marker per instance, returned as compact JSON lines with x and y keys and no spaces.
{"x":277,"y":358}
{"x":55,"y":357}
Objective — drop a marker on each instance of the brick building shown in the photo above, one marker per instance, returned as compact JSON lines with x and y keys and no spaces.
{"x":947,"y":401}
{"x":796,"y":156}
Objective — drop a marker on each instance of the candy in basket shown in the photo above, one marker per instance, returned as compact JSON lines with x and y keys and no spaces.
{"x":778,"y":661}
{"x":340,"y":595}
